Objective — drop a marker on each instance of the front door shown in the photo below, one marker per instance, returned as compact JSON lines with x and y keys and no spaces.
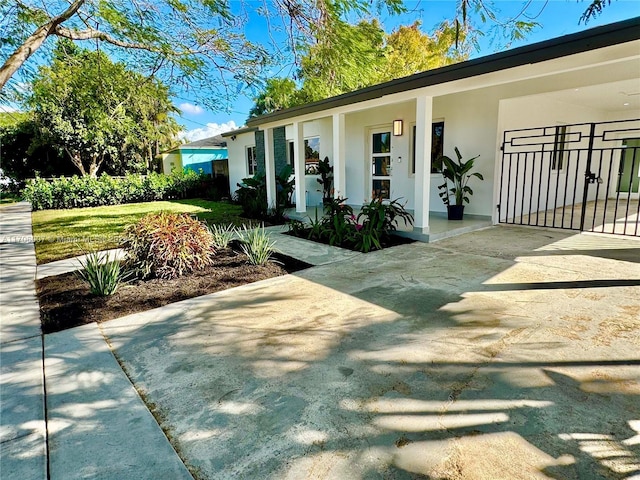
{"x":381,"y":163}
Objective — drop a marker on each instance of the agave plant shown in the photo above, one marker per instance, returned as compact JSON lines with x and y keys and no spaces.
{"x":456,"y":177}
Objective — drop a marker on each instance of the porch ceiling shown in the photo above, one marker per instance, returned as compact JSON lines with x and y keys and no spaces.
{"x":610,"y":97}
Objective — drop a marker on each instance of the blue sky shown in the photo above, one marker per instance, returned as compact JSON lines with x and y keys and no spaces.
{"x":556,"y":18}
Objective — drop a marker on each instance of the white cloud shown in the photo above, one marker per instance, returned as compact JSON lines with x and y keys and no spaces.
{"x":8,"y":109}
{"x":191,"y":108}
{"x":210,"y":130}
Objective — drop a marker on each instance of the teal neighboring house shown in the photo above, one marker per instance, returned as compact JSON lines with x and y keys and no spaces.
{"x":209,"y":155}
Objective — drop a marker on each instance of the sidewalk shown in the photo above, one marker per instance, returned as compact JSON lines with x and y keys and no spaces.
{"x":22,"y":414}
{"x":96,"y":426}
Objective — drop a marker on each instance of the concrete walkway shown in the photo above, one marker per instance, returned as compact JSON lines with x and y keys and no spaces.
{"x":22,"y":410}
{"x":96,"y":424}
{"x":508,"y":353}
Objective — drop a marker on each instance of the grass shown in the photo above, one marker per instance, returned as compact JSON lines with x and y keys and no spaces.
{"x":68,"y":233}
{"x":9,"y":198}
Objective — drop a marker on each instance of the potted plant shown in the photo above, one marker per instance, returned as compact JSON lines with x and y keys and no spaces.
{"x":326,"y":180}
{"x":456,"y":176}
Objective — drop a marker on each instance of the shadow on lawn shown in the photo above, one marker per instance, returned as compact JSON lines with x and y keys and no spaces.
{"x":387,"y":366}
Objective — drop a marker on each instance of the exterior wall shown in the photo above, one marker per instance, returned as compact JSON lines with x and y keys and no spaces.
{"x":170,"y":161}
{"x":238,"y":168}
{"x":197,"y":159}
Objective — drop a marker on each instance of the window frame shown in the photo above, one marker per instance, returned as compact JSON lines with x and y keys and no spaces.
{"x":251,"y":160}
{"x":412,"y":147}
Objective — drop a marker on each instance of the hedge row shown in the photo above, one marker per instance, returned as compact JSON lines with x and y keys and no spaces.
{"x":78,"y":192}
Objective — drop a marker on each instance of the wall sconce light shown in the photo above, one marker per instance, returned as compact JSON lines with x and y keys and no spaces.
{"x":397,"y":128}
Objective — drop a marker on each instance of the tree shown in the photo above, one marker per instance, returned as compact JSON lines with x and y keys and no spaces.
{"x":345,"y":58}
{"x":196,"y":42}
{"x":94,"y":109}
{"x":357,"y":56}
{"x":410,"y":51}
{"x":22,"y":153}
{"x":278,"y":94}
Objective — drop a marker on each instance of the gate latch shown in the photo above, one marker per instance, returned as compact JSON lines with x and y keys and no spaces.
{"x":591,"y":178}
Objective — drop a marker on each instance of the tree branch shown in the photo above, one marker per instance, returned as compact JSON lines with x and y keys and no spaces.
{"x":34,"y":42}
{"x":92,"y":33}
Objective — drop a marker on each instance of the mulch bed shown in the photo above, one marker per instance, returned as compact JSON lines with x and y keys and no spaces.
{"x":391,"y":241}
{"x":65,"y":300}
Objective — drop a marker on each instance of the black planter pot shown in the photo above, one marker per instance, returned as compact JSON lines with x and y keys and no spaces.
{"x":455,"y":212}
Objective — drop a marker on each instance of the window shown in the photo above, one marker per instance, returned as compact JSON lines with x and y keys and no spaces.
{"x":311,"y":155}
{"x":252,"y":161}
{"x":437,"y":147}
{"x":559,"y":148}
{"x":291,"y":156}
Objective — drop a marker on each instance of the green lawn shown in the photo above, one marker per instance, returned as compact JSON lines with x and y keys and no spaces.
{"x":67,"y":233}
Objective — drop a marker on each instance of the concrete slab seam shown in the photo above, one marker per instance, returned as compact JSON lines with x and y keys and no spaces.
{"x":141,"y":395}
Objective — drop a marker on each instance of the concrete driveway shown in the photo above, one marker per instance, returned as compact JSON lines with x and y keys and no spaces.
{"x":508,"y":353}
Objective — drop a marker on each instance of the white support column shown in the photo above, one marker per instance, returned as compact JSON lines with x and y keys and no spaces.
{"x":298,"y":152}
{"x":339,"y":160}
{"x":424,"y":115}
{"x":269,"y":168}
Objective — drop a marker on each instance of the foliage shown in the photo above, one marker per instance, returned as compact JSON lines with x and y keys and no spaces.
{"x":326,"y":179}
{"x":378,"y":220}
{"x":97,"y":111}
{"x":256,"y":245}
{"x":370,"y":230}
{"x":252,"y":195}
{"x":594,"y":9}
{"x":103,"y":273}
{"x":168,"y":245}
{"x":80,"y":192}
{"x":277,"y":94}
{"x":24,"y":155}
{"x":409,"y":51}
{"x":222,"y":235}
{"x":348,"y":57}
{"x":69,"y":233}
{"x":338,"y":222}
{"x":345,"y":58}
{"x":458,"y":173}
{"x":199,"y":44}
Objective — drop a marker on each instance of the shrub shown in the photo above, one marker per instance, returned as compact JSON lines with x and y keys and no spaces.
{"x":377,"y":220}
{"x":256,"y":245}
{"x":168,"y":245}
{"x":252,"y":196}
{"x":103,"y":274}
{"x":75,"y":192}
{"x":368,"y":231}
{"x":222,"y":235}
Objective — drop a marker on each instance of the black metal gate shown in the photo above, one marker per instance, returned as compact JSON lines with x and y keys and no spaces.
{"x":580,"y":177}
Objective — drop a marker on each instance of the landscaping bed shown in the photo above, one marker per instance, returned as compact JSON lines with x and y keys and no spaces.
{"x":66,"y":302}
{"x":387,"y":242}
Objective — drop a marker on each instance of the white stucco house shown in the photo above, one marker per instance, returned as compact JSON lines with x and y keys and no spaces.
{"x":556,"y":125}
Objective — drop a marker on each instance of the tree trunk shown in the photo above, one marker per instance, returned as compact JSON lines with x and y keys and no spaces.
{"x":34,"y":42}
{"x":77,"y":161}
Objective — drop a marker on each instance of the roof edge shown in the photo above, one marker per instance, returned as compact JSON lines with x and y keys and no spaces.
{"x":239,"y":131}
